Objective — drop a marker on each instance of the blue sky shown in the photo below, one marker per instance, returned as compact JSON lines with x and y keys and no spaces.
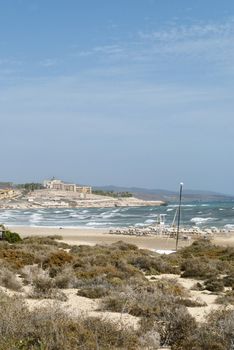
{"x":127,"y":92}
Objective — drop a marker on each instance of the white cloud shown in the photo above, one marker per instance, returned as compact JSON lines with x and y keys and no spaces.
{"x":208,"y":42}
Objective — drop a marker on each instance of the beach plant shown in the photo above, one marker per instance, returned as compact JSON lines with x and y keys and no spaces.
{"x":9,"y":280}
{"x":9,"y":236}
{"x":93,"y":292}
{"x":200,"y":268}
{"x":217,"y":332}
{"x":214,"y":285}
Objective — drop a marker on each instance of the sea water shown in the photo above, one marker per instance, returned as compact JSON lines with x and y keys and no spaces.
{"x":210,"y":214}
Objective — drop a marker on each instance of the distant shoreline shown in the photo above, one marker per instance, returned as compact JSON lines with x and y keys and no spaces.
{"x":51,"y":199}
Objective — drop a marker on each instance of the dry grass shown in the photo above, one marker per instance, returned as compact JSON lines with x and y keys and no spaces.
{"x":9,"y":280}
{"x":50,"y":329}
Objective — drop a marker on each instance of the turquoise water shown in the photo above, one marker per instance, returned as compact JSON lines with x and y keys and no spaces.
{"x":218,"y":214}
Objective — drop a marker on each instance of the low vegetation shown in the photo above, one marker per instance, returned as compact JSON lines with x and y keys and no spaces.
{"x":32,"y":186}
{"x":112,"y":194}
{"x":120,"y":278}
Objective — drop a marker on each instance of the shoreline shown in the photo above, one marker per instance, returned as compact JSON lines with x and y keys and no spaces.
{"x":93,"y":236}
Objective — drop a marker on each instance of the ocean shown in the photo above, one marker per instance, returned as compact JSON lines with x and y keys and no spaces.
{"x":204,"y":215}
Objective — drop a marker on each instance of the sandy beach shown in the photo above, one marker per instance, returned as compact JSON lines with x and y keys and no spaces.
{"x":78,"y":236}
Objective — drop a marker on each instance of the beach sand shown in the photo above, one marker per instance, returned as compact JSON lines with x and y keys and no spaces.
{"x":79,"y":236}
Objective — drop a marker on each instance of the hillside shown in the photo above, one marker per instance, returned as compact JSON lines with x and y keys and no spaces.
{"x":169,"y":196}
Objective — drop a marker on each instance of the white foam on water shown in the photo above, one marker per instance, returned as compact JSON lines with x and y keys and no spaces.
{"x":139,"y":224}
{"x":199,"y":221}
{"x":35,"y":218}
{"x":149,"y":221}
{"x":94,"y":224}
{"x":115,"y":210}
{"x":107,"y":214}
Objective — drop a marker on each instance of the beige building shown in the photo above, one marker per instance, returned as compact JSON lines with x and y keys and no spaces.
{"x":59,"y":185}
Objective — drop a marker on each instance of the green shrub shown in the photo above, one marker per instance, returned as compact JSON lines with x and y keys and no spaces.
{"x":11,"y":237}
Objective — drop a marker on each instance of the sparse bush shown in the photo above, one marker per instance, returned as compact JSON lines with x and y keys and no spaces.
{"x":14,"y":321}
{"x":43,"y":286}
{"x":8,"y":279}
{"x":190,"y":302}
{"x":203,"y":338}
{"x":214,"y":285}
{"x":228,"y":281}
{"x":227,"y":298}
{"x":153,"y":265}
{"x":174,"y":326}
{"x":150,"y":340}
{"x":198,"y":268}
{"x":50,"y":328}
{"x":43,"y":239}
{"x":65,"y":278}
{"x":142,"y":301}
{"x":216,"y":334}
{"x":170,"y":286}
{"x":94,"y":292}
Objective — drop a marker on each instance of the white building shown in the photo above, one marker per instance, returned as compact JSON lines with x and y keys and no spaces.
{"x":59,"y":185}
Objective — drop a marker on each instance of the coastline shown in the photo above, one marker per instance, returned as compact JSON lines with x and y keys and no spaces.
{"x":51,"y":199}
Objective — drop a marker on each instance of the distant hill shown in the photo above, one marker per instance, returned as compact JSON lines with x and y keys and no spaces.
{"x":168,"y":196}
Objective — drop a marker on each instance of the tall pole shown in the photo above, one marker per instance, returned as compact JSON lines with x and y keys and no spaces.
{"x":179,"y":210}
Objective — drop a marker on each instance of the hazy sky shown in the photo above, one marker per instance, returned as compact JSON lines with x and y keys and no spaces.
{"x":124,"y":92}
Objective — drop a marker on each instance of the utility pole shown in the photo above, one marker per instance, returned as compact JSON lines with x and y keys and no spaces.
{"x":179,"y":210}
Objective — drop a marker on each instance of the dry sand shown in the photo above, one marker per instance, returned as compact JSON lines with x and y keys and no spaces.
{"x":78,"y":236}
